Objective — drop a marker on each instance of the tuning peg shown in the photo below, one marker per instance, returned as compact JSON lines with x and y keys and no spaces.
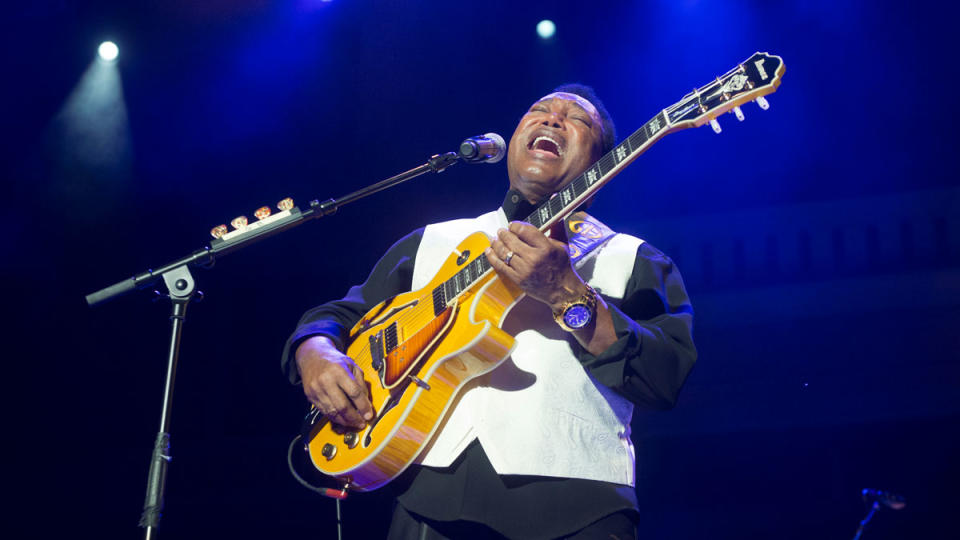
{"x":715,"y":125}
{"x":738,"y":113}
{"x":239,"y":222}
{"x":763,"y":103}
{"x":285,"y":204}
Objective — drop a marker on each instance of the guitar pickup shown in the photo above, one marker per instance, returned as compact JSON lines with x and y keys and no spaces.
{"x":376,"y":351}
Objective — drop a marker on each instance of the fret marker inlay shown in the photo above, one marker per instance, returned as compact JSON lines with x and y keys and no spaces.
{"x":591,"y":176}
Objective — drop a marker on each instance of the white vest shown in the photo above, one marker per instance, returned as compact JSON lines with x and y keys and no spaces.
{"x":539,"y":413}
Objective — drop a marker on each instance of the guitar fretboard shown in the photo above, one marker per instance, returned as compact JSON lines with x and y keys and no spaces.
{"x":461,"y":281}
{"x":575,"y":193}
{"x":562,"y":203}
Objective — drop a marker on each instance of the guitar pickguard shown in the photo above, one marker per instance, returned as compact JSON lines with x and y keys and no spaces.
{"x":402,"y":360}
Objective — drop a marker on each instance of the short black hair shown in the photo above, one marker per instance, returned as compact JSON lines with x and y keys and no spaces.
{"x":587,"y":93}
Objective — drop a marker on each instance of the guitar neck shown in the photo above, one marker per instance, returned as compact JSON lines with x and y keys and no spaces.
{"x":597,"y":175}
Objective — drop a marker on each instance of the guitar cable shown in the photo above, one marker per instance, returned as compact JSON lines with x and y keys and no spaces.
{"x":335,"y":494}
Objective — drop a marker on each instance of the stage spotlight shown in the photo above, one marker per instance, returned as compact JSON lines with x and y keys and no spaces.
{"x":546,"y":29}
{"x":89,"y":138}
{"x":108,"y":51}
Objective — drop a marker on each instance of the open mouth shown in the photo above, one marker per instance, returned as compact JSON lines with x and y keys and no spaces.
{"x":546,"y":145}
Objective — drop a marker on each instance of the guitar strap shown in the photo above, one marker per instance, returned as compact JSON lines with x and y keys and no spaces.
{"x":585,"y":234}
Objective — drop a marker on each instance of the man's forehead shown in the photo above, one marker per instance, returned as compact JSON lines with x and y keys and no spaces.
{"x":583,"y":103}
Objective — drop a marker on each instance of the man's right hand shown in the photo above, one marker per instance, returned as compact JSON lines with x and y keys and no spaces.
{"x":333,"y":382}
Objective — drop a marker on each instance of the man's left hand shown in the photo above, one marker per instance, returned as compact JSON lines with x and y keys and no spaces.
{"x":540,"y":265}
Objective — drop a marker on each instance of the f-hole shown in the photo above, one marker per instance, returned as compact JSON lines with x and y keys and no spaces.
{"x":390,"y":403}
{"x":464,"y":257}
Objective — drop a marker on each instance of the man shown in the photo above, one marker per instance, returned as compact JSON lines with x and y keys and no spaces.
{"x":539,"y":447}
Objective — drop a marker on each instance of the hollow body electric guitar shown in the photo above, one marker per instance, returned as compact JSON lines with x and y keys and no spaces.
{"x":418,"y":349}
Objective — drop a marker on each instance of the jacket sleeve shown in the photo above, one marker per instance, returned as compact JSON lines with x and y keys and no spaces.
{"x":392,"y":275}
{"x":654,"y":351}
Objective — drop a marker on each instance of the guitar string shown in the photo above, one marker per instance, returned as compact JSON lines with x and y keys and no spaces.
{"x":420,"y":317}
{"x":703,"y":89}
{"x":683,"y":102}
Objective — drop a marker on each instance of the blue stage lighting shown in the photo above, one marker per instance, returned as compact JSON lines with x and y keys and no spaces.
{"x":108,"y":50}
{"x":546,"y":29}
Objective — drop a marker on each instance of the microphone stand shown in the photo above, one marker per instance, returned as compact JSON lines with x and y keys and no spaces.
{"x":181,"y":288}
{"x":863,"y":523}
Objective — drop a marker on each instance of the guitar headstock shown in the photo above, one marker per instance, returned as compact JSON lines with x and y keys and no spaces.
{"x":750,"y":81}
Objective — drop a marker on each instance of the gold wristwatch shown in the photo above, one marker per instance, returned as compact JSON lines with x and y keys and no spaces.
{"x":578,"y":313}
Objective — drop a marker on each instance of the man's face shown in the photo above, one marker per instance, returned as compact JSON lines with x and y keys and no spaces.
{"x":557,"y":139}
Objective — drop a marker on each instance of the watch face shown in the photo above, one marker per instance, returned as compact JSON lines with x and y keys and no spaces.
{"x":577,"y":316}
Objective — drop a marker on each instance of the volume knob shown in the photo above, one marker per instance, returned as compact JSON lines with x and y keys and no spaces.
{"x":328,"y":451}
{"x":351,"y":438}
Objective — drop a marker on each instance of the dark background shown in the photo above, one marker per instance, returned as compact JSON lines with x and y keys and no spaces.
{"x":819,"y":241}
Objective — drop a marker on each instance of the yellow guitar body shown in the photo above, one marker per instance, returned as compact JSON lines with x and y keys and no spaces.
{"x":412,"y":387}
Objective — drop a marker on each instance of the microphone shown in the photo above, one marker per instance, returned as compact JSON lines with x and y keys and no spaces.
{"x":890,"y":500}
{"x":487,"y":148}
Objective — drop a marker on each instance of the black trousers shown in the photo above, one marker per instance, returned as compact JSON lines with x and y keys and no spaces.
{"x":409,"y":526}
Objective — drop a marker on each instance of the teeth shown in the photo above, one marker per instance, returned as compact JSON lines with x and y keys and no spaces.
{"x":545,"y":138}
